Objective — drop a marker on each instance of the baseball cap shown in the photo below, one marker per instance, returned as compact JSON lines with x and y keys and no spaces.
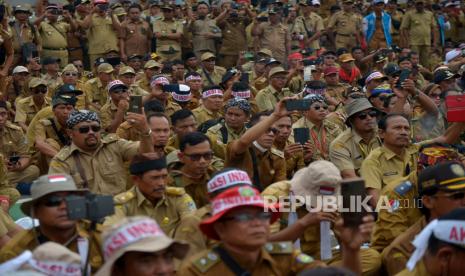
{"x":134,"y":56}
{"x":206,"y":56}
{"x":22,"y":8}
{"x":265,"y":51}
{"x":330,"y":70}
{"x":181,"y":93}
{"x":113,"y":85}
{"x":20,"y":69}
{"x":105,"y":68}
{"x":68,"y":89}
{"x":234,"y":198}
{"x":63,"y":99}
{"x":376,"y":76}
{"x":443,"y":74}
{"x":50,"y":60}
{"x":451,"y":55}
{"x":277,"y":70}
{"x":296,"y":55}
{"x":152,"y":64}
{"x":378,"y":1}
{"x":119,"y":11}
{"x":34,"y":82}
{"x":139,"y":234}
{"x":272,"y":61}
{"x":227,"y":179}
{"x":381,"y":89}
{"x":357,"y":105}
{"x":126,"y":70}
{"x":379,"y":57}
{"x":47,"y":184}
{"x":346,"y":58}
{"x":70,"y":68}
{"x":229,"y":74}
{"x":391,"y":69}
{"x":447,"y":176}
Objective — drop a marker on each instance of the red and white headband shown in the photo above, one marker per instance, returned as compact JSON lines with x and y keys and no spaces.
{"x":212,"y":92}
{"x":159,"y":80}
{"x":228,"y":179}
{"x":228,"y":203}
{"x":241,"y":94}
{"x":191,"y":77}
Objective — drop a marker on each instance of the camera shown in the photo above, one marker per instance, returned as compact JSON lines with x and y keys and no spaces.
{"x":90,"y":207}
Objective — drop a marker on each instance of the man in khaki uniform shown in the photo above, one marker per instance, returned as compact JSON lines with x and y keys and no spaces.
{"x":128,"y":76}
{"x":150,"y":196}
{"x":417,"y":26}
{"x":168,"y":32}
{"x":13,"y":145}
{"x":28,"y":107}
{"x":53,"y":33}
{"x":212,"y":103}
{"x":136,"y":34}
{"x":347,"y":26}
{"x":96,"y":88}
{"x":5,"y":188}
{"x":113,"y":112}
{"x":353,"y":145}
{"x":47,"y":205}
{"x":23,"y":32}
{"x":98,"y":163}
{"x":204,"y":31}
{"x":151,"y":68}
{"x":396,"y":18}
{"x":273,"y":35}
{"x":275,"y":91}
{"x":309,"y":24}
{"x":335,"y":90}
{"x":157,"y":92}
{"x":211,"y":74}
{"x":102,"y":30}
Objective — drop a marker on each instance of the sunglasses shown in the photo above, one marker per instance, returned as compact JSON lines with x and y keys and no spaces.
{"x":249,"y":217}
{"x":273,"y":129}
{"x":454,"y":196}
{"x":364,"y":115}
{"x":435,"y":95}
{"x":53,"y":201}
{"x":85,"y":129}
{"x":70,"y":74}
{"x":197,"y":156}
{"x":317,"y":107}
{"x":119,"y":90}
{"x":40,"y":89}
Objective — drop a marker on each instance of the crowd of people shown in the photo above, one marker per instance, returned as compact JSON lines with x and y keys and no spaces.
{"x":154,"y":137}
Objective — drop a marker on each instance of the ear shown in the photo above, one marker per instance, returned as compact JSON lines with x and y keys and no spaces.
{"x":381,"y":133}
{"x":444,"y":255}
{"x":69,"y":132}
{"x":427,"y":201}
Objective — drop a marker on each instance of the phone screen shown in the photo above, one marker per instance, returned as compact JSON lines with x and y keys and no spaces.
{"x":301,"y":135}
{"x":350,"y":190}
{"x":135,"y":104}
{"x":404,"y":74}
{"x":301,"y":105}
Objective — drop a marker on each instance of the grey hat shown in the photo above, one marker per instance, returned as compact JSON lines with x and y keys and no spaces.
{"x":357,"y":105}
{"x":47,"y":184}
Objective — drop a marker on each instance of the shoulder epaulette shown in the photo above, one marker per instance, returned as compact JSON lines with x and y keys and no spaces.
{"x":175,"y":191}
{"x":12,"y":126}
{"x":279,"y":247}
{"x":403,"y":188}
{"x":110,"y":138}
{"x":277,"y":152}
{"x":207,"y":261}
{"x":64,"y":153}
{"x":124,"y":197}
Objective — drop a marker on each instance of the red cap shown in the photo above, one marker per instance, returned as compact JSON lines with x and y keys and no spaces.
{"x":233,"y":198}
{"x":330,"y":70}
{"x":295,"y":56}
{"x":100,"y":1}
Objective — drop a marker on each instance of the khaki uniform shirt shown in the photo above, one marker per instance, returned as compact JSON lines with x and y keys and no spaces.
{"x":324,"y":136}
{"x":419,"y":26}
{"x":26,"y":240}
{"x":274,"y":38}
{"x":271,"y":165}
{"x":296,"y":84}
{"x":128,"y":132}
{"x":96,"y":91}
{"x":396,"y":255}
{"x":313,"y":24}
{"x":168,"y":212}
{"x":52,"y":83}
{"x":348,"y":150}
{"x":260,"y":83}
{"x":382,"y":166}
{"x":13,"y":141}
{"x":103,"y":168}
{"x":171,"y":107}
{"x":215,"y":133}
{"x":200,"y":43}
{"x":45,"y":130}
{"x":144,"y":83}
{"x":196,"y":188}
{"x":234,"y":37}
{"x":294,"y":162}
{"x":202,"y":114}
{"x":336,"y":91}
{"x":23,"y":34}
{"x":419,"y":270}
{"x":101,"y":35}
{"x":107,"y":113}
{"x":269,"y":97}
{"x":215,"y":76}
{"x":275,"y":259}
{"x":44,"y":113}
{"x":166,"y":45}
{"x":53,"y":35}
{"x":26,"y":110}
{"x":344,"y":23}
{"x":338,"y":118}
{"x":136,"y":36}
{"x":6,"y":223}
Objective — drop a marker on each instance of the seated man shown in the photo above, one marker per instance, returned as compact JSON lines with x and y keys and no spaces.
{"x":212,"y":102}
{"x":28,"y":107}
{"x":112,"y":113}
{"x":97,"y":163}
{"x":147,"y":252}
{"x":150,"y":196}
{"x":47,"y":204}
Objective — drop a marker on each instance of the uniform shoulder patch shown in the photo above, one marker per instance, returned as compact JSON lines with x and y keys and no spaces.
{"x":110,"y":138}
{"x":279,"y":247}
{"x":175,"y":191}
{"x":277,"y":152}
{"x":206,"y":261}
{"x":403,"y":188}
{"x":124,"y":197}
{"x":63,"y":154}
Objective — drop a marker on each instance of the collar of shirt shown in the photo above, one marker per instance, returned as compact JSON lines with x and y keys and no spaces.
{"x":260,"y":148}
{"x":411,"y":149}
{"x":233,"y":132}
{"x":141,"y":199}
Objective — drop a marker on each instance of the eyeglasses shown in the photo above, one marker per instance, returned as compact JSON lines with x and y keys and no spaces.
{"x":40,"y":89}
{"x":119,"y":91}
{"x":197,"y":156}
{"x":273,"y":129}
{"x":249,"y":217}
{"x":85,"y":129}
{"x":53,"y":201}
{"x":434,"y":96}
{"x":70,"y":74}
{"x":364,"y":115}
{"x":453,"y":196}
{"x":317,"y":107}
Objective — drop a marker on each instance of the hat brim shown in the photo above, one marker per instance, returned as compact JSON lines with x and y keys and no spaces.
{"x":179,"y":250}
{"x":279,"y":72}
{"x":26,"y":206}
{"x":455,"y":186}
{"x":206,"y":226}
{"x":75,"y":92}
{"x":117,"y":86}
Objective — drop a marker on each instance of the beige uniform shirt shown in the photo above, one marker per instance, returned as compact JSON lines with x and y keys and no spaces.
{"x":344,"y":23}
{"x":274,"y":38}
{"x":168,"y":27}
{"x":26,"y":110}
{"x":201,"y":43}
{"x":269,"y":97}
{"x":96,"y":91}
{"x":53,"y":35}
{"x":313,"y":23}
{"x":13,"y":141}
{"x":107,"y":113}
{"x":215,"y":76}
{"x":136,"y":36}
{"x":103,"y":168}
{"x":101,"y":35}
{"x":202,"y":114}
{"x":419,"y":26}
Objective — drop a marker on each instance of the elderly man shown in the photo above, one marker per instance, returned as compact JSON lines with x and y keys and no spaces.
{"x":97,"y":163}
{"x":47,"y":204}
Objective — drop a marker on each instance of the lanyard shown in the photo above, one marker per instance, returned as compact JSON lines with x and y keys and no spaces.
{"x":321,"y":146}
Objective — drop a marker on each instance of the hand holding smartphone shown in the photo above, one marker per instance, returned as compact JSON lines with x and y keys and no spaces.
{"x":135,"y":104}
{"x":350,"y":190}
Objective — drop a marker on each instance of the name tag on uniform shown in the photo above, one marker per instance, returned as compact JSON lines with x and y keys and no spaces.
{"x":390,"y":173}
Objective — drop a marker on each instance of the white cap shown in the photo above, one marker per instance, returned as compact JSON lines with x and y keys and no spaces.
{"x":451,"y":55}
{"x":316,"y":2}
{"x":20,"y":69}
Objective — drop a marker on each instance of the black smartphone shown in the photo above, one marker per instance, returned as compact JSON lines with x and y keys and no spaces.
{"x":404,"y":74}
{"x":300,"y":104}
{"x":14,"y":159}
{"x":350,"y":190}
{"x":135,"y":104}
{"x":301,"y":135}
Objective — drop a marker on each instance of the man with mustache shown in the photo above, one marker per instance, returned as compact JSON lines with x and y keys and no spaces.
{"x":150,"y":196}
{"x":98,"y":163}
